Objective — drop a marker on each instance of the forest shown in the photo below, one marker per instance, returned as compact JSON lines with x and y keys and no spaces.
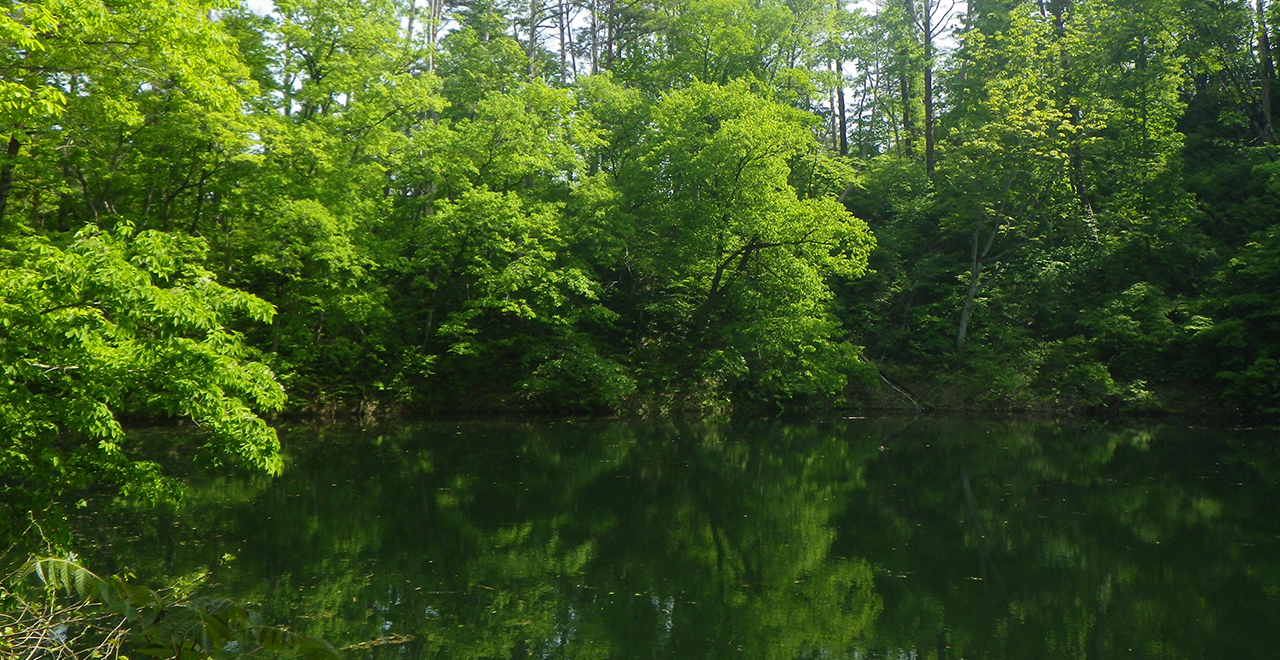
{"x":215,"y":212}
{"x":635,"y":207}
{"x":218,"y":216}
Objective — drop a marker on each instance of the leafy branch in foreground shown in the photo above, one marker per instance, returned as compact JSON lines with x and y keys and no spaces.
{"x":122,"y":322}
{"x":56,"y":608}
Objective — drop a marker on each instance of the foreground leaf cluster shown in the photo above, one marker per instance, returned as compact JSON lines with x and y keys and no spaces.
{"x":59,"y":609}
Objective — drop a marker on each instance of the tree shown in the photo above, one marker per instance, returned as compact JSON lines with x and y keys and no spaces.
{"x":732,"y":262}
{"x":27,"y":96}
{"x":306,"y":216}
{"x":486,"y":283}
{"x":1006,"y":165}
{"x":122,"y":323}
{"x":100,"y":83}
{"x":1059,"y":153}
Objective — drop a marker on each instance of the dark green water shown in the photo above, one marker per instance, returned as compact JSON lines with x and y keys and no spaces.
{"x":838,"y":539}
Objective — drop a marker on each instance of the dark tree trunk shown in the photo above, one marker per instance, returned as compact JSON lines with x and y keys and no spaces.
{"x":927,"y":33}
{"x":1268,"y":73}
{"x":6,"y":172}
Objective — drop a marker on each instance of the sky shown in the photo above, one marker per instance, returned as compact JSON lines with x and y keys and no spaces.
{"x":261,"y":7}
{"x":945,"y":43}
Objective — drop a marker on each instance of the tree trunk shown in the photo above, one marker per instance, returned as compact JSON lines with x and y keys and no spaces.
{"x":962,"y":333}
{"x":839,"y":71}
{"x":562,"y":15}
{"x":36,"y":220}
{"x":977,"y":263}
{"x":408,"y":28}
{"x":909,"y":7}
{"x":533,"y":39}
{"x":1268,"y":72}
{"x":908,"y":148}
{"x":6,"y":172}
{"x":860,"y":111}
{"x":434,"y":10}
{"x":573,"y":55}
{"x":1075,"y":152}
{"x":609,"y":25}
{"x":835,"y":113}
{"x":595,"y":37}
{"x":195,"y":217}
{"x":844,"y":120}
{"x":927,"y":33}
{"x":65,"y":202}
{"x":976,"y":286}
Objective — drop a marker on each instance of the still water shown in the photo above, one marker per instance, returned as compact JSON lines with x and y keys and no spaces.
{"x":844,"y":538}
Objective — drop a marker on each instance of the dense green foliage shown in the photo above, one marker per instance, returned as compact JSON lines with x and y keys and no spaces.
{"x":121,"y":323}
{"x":210,"y":212}
{"x":649,"y":206}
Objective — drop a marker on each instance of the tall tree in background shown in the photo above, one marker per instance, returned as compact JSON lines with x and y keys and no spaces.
{"x":1267,"y":71}
{"x":100,"y":94}
{"x":735,"y":262}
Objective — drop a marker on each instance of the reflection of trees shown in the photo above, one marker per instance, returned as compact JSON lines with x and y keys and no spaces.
{"x":767,"y":540}
{"x":1077,"y":543}
{"x":735,"y":537}
{"x":509,"y":540}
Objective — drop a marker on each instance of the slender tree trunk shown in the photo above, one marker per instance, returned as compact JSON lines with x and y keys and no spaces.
{"x":6,"y":171}
{"x":65,"y":203}
{"x":978,"y":261}
{"x":573,"y":55}
{"x":533,"y":38}
{"x":909,"y":7}
{"x":595,"y":37}
{"x":927,"y":33}
{"x":286,"y":90}
{"x":1075,"y":152}
{"x":908,"y":148}
{"x":835,"y":113}
{"x":275,"y":327}
{"x":432,"y":30}
{"x":610,"y":19}
{"x":860,"y":110}
{"x":227,"y":230}
{"x":36,"y":221}
{"x":408,"y":28}
{"x":562,"y":16}
{"x":839,"y":71}
{"x":195,"y":217}
{"x":1268,"y":73}
{"x":972,"y":290}
{"x":844,"y":118}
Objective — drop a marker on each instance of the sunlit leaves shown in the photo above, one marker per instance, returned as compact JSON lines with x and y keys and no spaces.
{"x":740,"y":259}
{"x":118,"y":322}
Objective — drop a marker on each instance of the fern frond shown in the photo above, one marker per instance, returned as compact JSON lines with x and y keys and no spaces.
{"x":59,"y":574}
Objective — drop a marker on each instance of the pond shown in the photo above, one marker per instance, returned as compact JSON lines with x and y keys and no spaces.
{"x":841,"y":538}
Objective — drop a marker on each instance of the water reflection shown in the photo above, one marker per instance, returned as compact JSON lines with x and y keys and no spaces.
{"x":842,"y":539}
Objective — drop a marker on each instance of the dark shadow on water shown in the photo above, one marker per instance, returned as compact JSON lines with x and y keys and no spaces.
{"x":833,"y":539}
